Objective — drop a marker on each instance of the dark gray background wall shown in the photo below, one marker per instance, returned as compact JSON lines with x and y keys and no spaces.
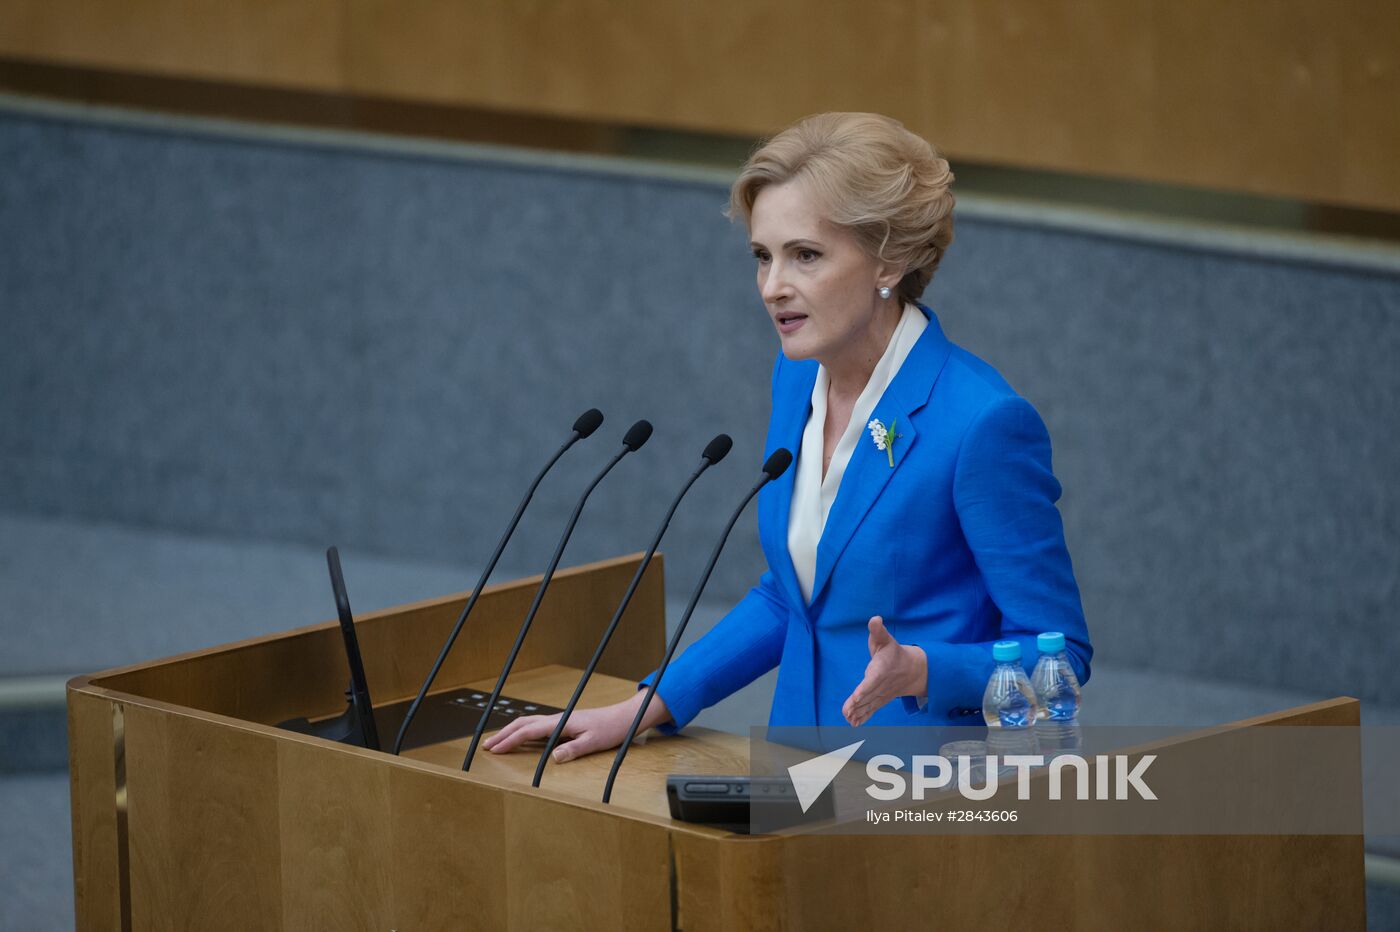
{"x":284,"y":340}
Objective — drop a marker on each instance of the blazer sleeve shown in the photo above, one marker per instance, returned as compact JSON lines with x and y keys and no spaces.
{"x":745,"y":644}
{"x":1005,"y":493}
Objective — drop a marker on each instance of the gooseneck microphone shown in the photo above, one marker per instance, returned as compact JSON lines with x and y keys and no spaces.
{"x":637,"y":435}
{"x":776,"y":465}
{"x":587,"y":423}
{"x":717,"y":450}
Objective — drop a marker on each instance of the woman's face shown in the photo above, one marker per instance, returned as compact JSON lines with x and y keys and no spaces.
{"x":818,"y":284}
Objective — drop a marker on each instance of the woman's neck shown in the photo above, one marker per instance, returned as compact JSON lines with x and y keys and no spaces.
{"x":850,"y":371}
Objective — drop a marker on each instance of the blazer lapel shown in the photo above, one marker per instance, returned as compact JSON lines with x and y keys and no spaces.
{"x":869,"y":470}
{"x":791,"y":406}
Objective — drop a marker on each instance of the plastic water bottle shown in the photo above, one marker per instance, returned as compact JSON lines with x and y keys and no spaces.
{"x":1056,"y":686}
{"x":1057,"y":691}
{"x":1009,"y":705}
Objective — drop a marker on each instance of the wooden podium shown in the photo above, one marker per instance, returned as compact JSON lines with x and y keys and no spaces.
{"x":191,"y":810}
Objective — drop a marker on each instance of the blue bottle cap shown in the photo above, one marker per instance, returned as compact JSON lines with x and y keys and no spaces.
{"x":1006,"y":651}
{"x":1051,"y":642}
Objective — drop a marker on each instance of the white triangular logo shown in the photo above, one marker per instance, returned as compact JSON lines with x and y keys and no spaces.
{"x":811,"y":777}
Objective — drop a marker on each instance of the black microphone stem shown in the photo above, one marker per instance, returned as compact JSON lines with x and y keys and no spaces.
{"x":476,"y":593}
{"x":612,"y":626}
{"x":534,"y":607}
{"x":676,"y":638}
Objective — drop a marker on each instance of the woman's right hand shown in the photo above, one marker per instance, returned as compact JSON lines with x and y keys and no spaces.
{"x":588,"y":730}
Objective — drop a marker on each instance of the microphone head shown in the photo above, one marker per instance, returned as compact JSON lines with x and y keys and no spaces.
{"x":638,"y":434}
{"x":588,"y":422}
{"x":718,"y":448}
{"x":778,"y":463}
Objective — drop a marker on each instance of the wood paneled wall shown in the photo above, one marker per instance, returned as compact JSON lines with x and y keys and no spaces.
{"x":1276,"y":97}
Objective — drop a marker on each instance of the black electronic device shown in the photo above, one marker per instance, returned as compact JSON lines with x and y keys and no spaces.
{"x":356,"y":724}
{"x":738,"y":803}
{"x":454,"y":713}
{"x":446,"y":716}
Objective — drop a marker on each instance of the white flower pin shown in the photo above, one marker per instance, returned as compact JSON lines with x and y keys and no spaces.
{"x":884,"y":437}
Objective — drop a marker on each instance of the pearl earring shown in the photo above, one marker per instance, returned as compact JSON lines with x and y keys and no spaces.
{"x":884,"y":291}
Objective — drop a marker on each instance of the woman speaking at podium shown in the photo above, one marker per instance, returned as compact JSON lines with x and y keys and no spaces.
{"x":919,"y":524}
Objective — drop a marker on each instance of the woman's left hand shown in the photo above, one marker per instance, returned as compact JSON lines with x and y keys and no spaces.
{"x":894,"y":670}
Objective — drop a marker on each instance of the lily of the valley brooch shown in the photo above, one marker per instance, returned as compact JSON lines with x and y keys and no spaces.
{"x":884,"y":437}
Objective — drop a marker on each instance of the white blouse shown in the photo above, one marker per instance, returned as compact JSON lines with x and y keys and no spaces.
{"x":812,"y":495}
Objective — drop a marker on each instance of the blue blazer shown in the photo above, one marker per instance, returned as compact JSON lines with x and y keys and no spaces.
{"x":958,"y":545}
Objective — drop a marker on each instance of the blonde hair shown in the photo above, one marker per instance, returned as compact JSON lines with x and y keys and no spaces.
{"x":871,"y":176}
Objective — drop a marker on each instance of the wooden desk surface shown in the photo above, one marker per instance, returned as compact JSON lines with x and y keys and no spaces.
{"x":641,"y":783}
